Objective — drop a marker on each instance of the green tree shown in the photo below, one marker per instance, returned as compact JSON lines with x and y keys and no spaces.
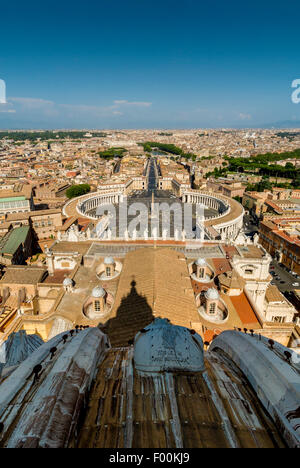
{"x":77,"y":190}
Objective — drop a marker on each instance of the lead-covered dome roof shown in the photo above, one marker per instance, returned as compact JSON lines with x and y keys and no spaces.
{"x":108,"y":261}
{"x":212,"y":294}
{"x":98,"y":291}
{"x":162,"y":346}
{"x":200,"y":262}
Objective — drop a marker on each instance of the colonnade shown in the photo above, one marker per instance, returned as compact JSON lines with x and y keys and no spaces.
{"x":207,"y":200}
{"x":231,"y":230}
{"x":92,"y":203}
{"x":227,"y":230}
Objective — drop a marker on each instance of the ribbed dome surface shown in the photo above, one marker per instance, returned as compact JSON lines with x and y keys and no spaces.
{"x":18,"y":347}
{"x":212,"y":294}
{"x":109,"y":261}
{"x":98,"y":291}
{"x":200,"y":262}
{"x":68,"y":282}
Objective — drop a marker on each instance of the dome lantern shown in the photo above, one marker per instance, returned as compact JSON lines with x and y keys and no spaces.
{"x":98,"y":291}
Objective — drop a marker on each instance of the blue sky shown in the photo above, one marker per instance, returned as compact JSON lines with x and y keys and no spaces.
{"x":148,"y":64}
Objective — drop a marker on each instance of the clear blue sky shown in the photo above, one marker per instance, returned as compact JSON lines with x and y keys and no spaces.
{"x":148,"y":64}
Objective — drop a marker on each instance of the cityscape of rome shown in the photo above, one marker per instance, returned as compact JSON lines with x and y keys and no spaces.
{"x":149,"y":285}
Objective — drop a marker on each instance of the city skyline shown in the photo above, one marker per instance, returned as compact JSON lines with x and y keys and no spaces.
{"x":141,"y":66}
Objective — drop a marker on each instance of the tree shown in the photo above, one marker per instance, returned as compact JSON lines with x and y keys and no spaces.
{"x":77,"y":190}
{"x":111,"y":153}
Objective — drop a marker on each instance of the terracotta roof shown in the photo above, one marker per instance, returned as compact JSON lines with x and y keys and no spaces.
{"x":244,"y":310}
{"x":273,"y":205}
{"x":209,"y":335}
{"x":221,"y":265}
{"x":68,"y":222}
{"x":58,"y":276}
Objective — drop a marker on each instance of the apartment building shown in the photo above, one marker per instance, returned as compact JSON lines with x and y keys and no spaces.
{"x":18,"y":199}
{"x":281,"y":238}
{"x":44,"y":222}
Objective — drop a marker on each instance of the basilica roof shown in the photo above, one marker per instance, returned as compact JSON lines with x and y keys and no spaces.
{"x":49,"y":387}
{"x":77,"y":391}
{"x":149,"y":288}
{"x":274,"y":373}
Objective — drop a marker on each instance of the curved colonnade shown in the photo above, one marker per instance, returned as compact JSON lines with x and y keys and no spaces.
{"x":226,"y":224}
{"x":91,"y":203}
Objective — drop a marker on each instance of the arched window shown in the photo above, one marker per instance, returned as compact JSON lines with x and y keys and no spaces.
{"x":212,"y":308}
{"x":248,"y":271}
{"x":108,"y":273}
{"x":97,"y":306}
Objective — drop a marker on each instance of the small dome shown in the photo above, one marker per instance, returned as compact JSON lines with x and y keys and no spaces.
{"x":98,"y":291}
{"x":68,"y":282}
{"x":163,"y":347}
{"x":212,"y":294}
{"x":200,"y":262}
{"x":109,"y":261}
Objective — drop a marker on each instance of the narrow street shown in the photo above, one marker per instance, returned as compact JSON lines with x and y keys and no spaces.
{"x":283,"y":280}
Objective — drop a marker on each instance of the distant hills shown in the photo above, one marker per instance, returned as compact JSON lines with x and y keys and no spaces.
{"x":282,"y":124}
